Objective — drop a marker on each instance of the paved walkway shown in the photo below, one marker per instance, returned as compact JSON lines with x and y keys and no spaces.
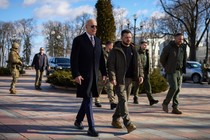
{"x":49,"y":115}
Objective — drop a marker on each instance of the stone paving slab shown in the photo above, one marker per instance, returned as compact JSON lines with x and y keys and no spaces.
{"x":49,"y":114}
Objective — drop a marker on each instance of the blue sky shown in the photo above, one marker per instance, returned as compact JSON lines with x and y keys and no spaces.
{"x":67,"y":9}
{"x":60,"y":10}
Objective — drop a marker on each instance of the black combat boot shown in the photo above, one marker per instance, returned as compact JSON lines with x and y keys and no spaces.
{"x":113,"y":106}
{"x":152,"y":102}
{"x":135,"y":100}
{"x":176,"y":111}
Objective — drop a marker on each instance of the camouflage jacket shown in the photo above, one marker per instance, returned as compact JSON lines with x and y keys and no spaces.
{"x":14,"y":59}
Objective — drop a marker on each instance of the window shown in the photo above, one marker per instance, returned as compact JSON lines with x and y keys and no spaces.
{"x":194,"y":65}
{"x":62,"y":60}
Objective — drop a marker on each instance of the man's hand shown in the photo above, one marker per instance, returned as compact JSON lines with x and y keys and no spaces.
{"x":141,"y":80}
{"x":104,"y":79}
{"x":114,"y":82}
{"x":20,"y":63}
{"x":79,"y":79}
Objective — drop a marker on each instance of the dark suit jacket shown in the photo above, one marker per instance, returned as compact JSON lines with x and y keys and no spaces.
{"x":86,"y":61}
{"x":36,"y":62}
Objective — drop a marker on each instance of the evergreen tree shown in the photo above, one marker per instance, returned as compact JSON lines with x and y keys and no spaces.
{"x":105,"y":20}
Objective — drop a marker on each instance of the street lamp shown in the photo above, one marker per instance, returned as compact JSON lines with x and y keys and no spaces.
{"x":128,"y":24}
{"x":207,"y":36}
{"x":134,"y":27}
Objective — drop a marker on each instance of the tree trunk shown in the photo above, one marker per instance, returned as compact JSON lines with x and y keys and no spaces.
{"x":192,"y":56}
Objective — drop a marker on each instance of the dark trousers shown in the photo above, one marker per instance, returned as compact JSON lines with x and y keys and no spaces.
{"x":86,"y":108}
{"x":175,"y":82}
{"x":38,"y":80}
{"x":147,"y":87}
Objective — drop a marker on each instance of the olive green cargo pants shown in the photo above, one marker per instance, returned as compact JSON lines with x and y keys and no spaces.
{"x":122,"y":107}
{"x":175,"y":82}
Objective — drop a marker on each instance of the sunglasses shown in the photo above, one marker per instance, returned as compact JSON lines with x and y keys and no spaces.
{"x":93,"y":26}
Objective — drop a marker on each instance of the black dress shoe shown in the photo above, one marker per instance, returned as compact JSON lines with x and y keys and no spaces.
{"x":152,"y":102}
{"x":78,"y":125}
{"x":98,"y":105}
{"x":92,"y":132}
{"x":113,"y":106}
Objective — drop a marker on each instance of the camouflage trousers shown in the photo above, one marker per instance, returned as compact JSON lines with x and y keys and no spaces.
{"x":108,"y":88}
{"x":15,"y":75}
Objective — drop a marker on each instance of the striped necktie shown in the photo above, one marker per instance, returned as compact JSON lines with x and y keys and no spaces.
{"x":92,"y":40}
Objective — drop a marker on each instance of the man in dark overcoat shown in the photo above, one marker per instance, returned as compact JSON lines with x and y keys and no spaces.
{"x":86,"y":60}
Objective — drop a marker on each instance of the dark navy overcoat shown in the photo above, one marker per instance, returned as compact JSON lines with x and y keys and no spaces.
{"x":87,"y":60}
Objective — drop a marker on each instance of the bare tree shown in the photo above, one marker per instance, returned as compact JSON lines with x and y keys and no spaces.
{"x":120,"y":20}
{"x":80,"y":23}
{"x":167,"y":26}
{"x":26,"y":29}
{"x":73,"y":29}
{"x":192,"y":14}
{"x":59,"y":36}
{"x":152,"y":34}
{"x":7,"y":31}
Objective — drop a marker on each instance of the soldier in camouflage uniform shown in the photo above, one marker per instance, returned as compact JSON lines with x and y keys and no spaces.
{"x":14,"y":63}
{"x":108,"y":87}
